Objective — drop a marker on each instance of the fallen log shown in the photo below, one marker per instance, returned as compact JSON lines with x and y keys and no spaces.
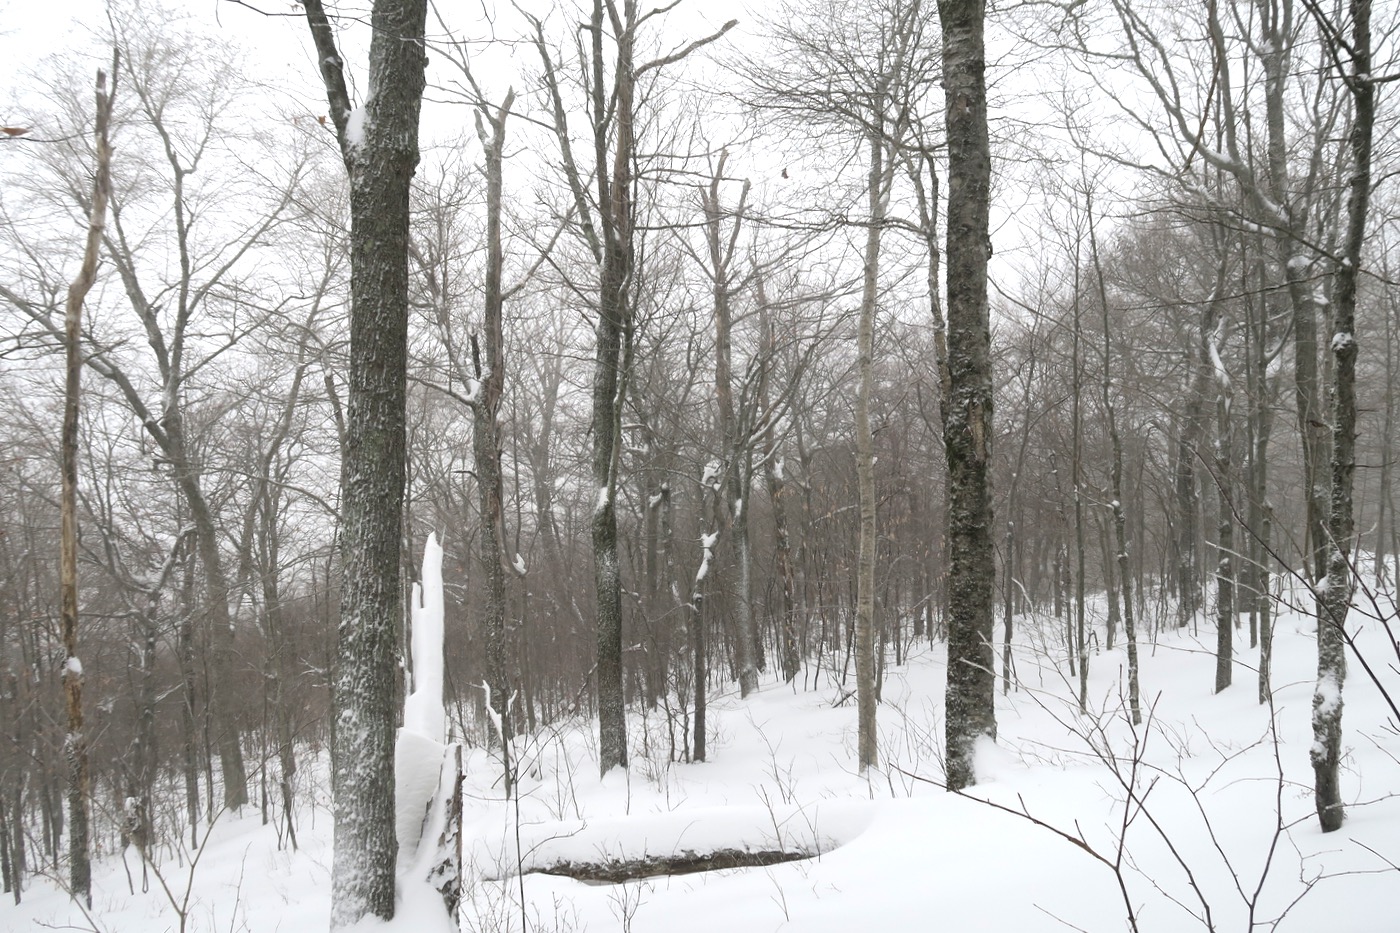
{"x":616,"y":871}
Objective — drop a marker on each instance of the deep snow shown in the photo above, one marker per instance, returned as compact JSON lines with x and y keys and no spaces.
{"x":893,"y":852}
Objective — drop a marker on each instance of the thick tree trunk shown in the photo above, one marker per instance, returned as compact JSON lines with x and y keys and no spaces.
{"x":967,"y":431}
{"x":379,"y":143}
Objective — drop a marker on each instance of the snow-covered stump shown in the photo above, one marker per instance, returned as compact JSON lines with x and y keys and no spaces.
{"x":428,"y":771}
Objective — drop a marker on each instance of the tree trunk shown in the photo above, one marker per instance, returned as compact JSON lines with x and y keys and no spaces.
{"x":1331,"y":621}
{"x":76,"y":743}
{"x":1188,"y":503}
{"x":379,"y":143}
{"x":1077,"y":479}
{"x":967,"y":431}
{"x":734,"y":426}
{"x":1225,"y":539}
{"x":613,"y":333}
{"x":1120,"y":522}
{"x":489,"y":362}
{"x":866,"y":700}
{"x":698,"y":641}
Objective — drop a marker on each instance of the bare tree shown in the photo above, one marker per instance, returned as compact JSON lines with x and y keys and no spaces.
{"x":1326,"y":751}
{"x":605,"y":216}
{"x":886,"y":65}
{"x":379,"y":143}
{"x":1120,"y":521}
{"x":76,"y":744}
{"x":967,"y":422}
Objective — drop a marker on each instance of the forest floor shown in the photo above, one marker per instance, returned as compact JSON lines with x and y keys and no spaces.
{"x":1218,"y":831}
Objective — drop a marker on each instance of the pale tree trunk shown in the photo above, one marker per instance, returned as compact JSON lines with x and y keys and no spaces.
{"x":1261,"y":389}
{"x":735,"y":426}
{"x":967,"y":432}
{"x":489,"y":363}
{"x":1331,"y":633}
{"x":1120,"y":523}
{"x":776,"y":483}
{"x":75,"y":742}
{"x":866,"y":698}
{"x":379,"y":143}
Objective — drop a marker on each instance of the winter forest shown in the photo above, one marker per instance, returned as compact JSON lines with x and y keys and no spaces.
{"x":598,"y":464}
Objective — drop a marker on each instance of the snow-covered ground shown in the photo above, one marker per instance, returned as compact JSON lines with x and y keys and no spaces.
{"x":1222,"y":831}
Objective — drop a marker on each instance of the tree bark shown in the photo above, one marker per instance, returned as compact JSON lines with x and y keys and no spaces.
{"x":1225,"y":612}
{"x":489,"y":361}
{"x":866,"y":698}
{"x":967,"y":431}
{"x":1331,"y":621}
{"x":613,"y":334}
{"x":379,"y":143}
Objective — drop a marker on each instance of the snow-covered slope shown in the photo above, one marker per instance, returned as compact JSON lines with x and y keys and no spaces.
{"x":1220,"y":800}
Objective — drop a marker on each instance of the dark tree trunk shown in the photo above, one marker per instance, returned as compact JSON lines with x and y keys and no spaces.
{"x":613,"y":333}
{"x":1331,"y":633}
{"x":790,"y":656}
{"x":380,"y":147}
{"x":1225,"y":612}
{"x":1187,"y":500}
{"x":1080,"y":635}
{"x":967,"y":431}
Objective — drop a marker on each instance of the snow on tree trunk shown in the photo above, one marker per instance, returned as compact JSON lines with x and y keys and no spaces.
{"x":613,"y":330}
{"x":423,"y":711}
{"x":75,"y":742}
{"x":427,"y":773}
{"x":1335,"y":599}
{"x":380,"y":151}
